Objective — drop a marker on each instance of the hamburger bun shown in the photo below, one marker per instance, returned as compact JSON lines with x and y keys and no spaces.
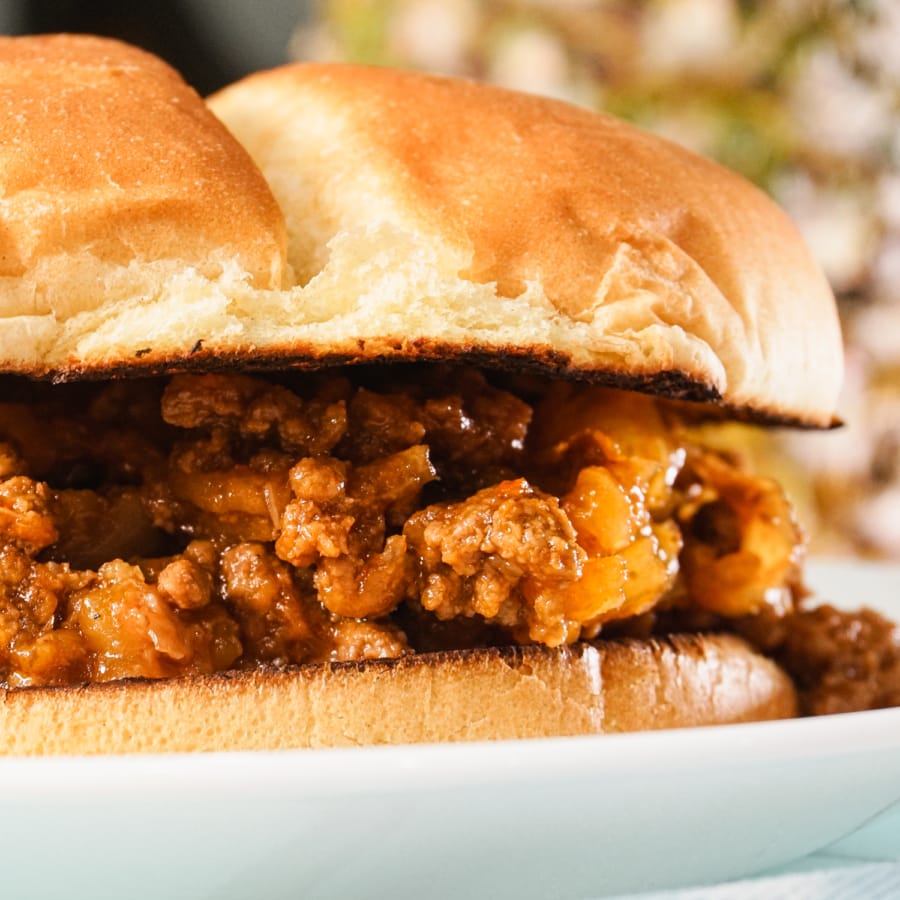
{"x":320,"y":215}
{"x":118,"y":185}
{"x":427,"y":218}
{"x":469,"y":695}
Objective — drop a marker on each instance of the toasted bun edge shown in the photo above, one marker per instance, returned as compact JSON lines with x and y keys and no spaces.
{"x":471,"y":695}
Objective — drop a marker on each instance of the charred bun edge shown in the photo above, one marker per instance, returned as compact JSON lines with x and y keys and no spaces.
{"x":705,"y":399}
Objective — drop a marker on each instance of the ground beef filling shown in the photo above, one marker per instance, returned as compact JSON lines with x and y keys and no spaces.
{"x":185,"y":526}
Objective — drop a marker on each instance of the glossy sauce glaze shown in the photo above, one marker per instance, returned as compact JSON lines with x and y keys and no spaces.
{"x":201,"y":523}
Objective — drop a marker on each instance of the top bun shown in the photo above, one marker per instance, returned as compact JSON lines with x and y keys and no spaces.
{"x":427,"y":218}
{"x":115,"y":183}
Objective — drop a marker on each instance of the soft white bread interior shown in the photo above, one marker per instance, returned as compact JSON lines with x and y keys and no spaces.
{"x":486,"y":694}
{"x":426,"y":218}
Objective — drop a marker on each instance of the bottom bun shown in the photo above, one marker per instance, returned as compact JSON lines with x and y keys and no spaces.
{"x":467,"y":695}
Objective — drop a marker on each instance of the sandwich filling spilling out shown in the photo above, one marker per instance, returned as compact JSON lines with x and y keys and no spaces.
{"x":199,"y":523}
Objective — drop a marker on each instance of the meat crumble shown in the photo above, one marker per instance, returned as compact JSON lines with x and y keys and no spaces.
{"x":206,"y":522}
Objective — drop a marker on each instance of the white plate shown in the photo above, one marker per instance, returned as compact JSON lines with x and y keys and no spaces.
{"x":576,"y":817}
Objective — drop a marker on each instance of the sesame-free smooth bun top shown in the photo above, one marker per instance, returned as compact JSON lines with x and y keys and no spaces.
{"x":463,"y":214}
{"x":432,"y":218}
{"x":117,"y":184}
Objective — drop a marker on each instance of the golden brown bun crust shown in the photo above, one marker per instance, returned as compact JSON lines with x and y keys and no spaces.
{"x":461,"y":696}
{"x":116,"y":176}
{"x":649,"y":259}
{"x":426,"y":218}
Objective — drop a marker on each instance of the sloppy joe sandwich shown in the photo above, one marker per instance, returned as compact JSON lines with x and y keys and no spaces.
{"x":362,"y":406}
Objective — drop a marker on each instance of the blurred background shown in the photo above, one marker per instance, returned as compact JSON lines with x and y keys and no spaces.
{"x":801,"y":96}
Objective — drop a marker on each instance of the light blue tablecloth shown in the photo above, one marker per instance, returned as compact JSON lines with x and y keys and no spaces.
{"x":862,"y":866}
